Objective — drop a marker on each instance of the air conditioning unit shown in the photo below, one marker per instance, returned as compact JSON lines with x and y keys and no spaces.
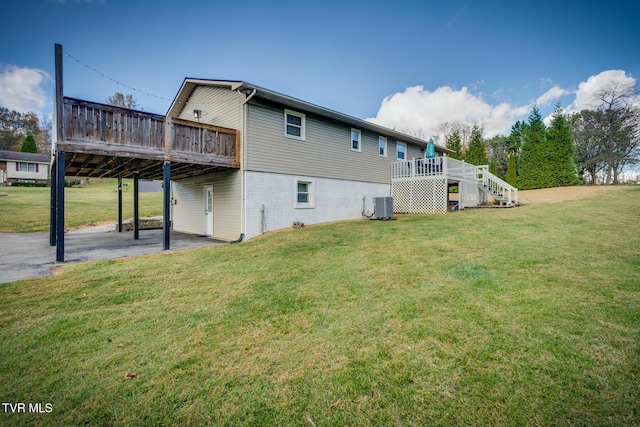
{"x":383,"y":208}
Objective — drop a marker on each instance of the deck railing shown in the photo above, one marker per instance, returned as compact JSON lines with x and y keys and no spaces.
{"x":93,"y":122}
{"x":432,"y":167}
{"x":446,"y":167}
{"x":202,"y":139}
{"x":419,"y":168}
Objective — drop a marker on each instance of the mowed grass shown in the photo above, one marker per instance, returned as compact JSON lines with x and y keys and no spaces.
{"x":26,"y":210}
{"x":527,"y":316}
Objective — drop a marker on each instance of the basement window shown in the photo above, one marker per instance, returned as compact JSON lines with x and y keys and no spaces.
{"x":304,"y":194}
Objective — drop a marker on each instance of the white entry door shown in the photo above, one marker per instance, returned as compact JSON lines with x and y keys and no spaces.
{"x":208,"y":210}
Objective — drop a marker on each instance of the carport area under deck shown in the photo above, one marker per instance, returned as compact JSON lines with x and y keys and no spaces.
{"x":104,"y":141}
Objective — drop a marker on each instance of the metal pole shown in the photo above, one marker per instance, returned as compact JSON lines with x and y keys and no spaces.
{"x":119,"y":205}
{"x":166,"y":227}
{"x":52,"y":206}
{"x":136,"y":212}
{"x":60,"y":167}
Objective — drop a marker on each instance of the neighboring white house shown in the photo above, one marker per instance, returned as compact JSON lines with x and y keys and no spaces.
{"x":16,"y":166}
{"x":299,"y":162}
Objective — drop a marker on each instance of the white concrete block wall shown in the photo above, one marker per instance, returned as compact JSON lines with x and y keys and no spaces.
{"x":333,"y":200}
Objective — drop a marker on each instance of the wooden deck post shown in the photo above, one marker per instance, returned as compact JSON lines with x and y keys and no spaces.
{"x":166,"y":206}
{"x":136,"y":212}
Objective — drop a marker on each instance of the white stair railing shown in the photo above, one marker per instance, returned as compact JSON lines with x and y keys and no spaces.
{"x":448,"y":168}
{"x":496,"y":187}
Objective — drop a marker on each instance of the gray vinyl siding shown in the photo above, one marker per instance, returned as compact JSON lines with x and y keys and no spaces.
{"x":325,"y":152}
{"x":188,"y":212}
{"x":220,"y":107}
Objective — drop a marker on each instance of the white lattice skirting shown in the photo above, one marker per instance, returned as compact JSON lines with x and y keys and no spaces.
{"x":419,"y":196}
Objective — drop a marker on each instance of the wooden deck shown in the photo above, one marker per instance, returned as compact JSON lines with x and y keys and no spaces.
{"x":106,"y":141}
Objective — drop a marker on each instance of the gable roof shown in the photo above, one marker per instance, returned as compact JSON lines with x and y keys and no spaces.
{"x":18,"y":156}
{"x":251,"y":91}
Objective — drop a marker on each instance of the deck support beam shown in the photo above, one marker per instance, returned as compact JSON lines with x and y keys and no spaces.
{"x":136,"y":211}
{"x":52,"y":206}
{"x":59,"y":206}
{"x":166,"y":205}
{"x":119,"y":205}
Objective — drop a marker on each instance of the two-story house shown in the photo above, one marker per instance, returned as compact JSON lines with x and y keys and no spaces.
{"x":299,"y":162}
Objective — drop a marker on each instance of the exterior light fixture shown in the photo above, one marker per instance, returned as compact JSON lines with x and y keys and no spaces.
{"x":197,"y":114}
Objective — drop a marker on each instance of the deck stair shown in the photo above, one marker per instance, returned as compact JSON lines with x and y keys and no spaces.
{"x":420,"y":186}
{"x":495,"y":187}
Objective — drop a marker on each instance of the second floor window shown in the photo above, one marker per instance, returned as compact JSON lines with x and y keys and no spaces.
{"x":402,"y":151}
{"x":382,"y":144}
{"x":356,"y":137}
{"x":294,"y":124}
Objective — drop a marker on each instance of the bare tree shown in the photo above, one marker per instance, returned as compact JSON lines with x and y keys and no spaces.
{"x":124,"y":101}
{"x":621,"y":127}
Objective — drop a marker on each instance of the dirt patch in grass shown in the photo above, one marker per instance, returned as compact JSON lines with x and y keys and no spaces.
{"x":561,"y":194}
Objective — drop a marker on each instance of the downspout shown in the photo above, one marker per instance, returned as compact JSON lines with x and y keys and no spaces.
{"x":243,"y":224}
{"x":251,"y":95}
{"x":239,"y":239}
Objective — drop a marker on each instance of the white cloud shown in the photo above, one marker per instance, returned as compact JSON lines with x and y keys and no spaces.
{"x":551,"y":95}
{"x":22,"y":89}
{"x":585,"y":95}
{"x":419,"y":112}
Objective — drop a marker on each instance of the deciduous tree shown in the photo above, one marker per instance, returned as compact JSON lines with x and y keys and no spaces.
{"x":124,"y":101}
{"x":589,"y":129}
{"x":622,"y":127}
{"x":14,"y":127}
{"x":512,"y":177}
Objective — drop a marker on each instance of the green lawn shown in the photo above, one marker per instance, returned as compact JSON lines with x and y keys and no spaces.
{"x":26,"y":210}
{"x":527,"y":316}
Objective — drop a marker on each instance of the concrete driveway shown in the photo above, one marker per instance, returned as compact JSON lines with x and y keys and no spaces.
{"x":28,"y":255}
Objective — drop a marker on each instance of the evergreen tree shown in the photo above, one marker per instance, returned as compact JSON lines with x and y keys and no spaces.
{"x":534,"y":170}
{"x":29,"y":144}
{"x":511,"y":177}
{"x":561,"y":150}
{"x":454,"y":143}
{"x":477,"y":152}
{"x":515,"y":138}
{"x":493,"y":167}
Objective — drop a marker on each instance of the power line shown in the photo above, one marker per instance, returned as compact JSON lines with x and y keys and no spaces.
{"x":114,"y":80}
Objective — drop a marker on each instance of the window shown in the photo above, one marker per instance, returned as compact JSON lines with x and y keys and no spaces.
{"x":382,"y":144}
{"x":294,"y":125}
{"x":356,"y":138}
{"x":402,"y":151}
{"x":304,"y":194}
{"x":26,"y":167}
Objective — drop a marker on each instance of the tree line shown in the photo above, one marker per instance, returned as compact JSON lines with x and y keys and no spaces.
{"x":575,"y":147}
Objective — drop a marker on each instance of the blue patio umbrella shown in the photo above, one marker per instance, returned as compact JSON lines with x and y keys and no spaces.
{"x":431,"y":149}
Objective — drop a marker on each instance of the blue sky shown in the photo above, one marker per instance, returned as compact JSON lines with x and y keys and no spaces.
{"x":405,"y":64}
